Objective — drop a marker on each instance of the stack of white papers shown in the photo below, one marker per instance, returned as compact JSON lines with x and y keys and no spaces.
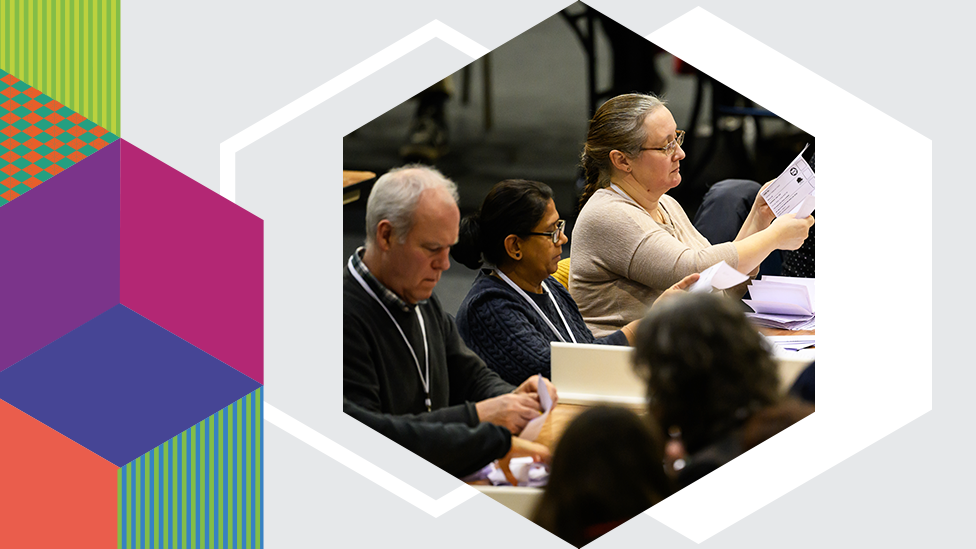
{"x":719,"y":276}
{"x":783,"y":302}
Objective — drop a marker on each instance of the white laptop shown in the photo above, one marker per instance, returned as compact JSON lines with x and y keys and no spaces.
{"x":588,"y":374}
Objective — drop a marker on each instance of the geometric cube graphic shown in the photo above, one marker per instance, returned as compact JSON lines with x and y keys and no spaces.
{"x":41,"y":137}
{"x":132,"y":332}
{"x":53,"y":492}
{"x":202,"y":488}
{"x":123,"y":228}
{"x":120,"y":385}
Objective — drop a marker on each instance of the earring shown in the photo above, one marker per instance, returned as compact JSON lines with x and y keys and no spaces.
{"x":518,"y":255}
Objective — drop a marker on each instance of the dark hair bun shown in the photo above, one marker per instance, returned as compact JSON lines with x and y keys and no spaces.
{"x":467,"y":251}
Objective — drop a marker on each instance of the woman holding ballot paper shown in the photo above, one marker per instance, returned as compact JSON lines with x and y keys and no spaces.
{"x":632,"y":241}
{"x":515,"y":308}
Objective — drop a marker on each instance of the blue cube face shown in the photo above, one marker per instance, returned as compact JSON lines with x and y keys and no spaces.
{"x":121,"y":385}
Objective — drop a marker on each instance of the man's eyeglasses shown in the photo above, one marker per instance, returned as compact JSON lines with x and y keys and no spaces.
{"x":554,"y":235}
{"x":672,"y":146}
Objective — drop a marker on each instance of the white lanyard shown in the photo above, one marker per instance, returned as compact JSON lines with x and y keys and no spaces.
{"x":423,"y":330}
{"x":535,"y":306}
{"x":626,"y":196}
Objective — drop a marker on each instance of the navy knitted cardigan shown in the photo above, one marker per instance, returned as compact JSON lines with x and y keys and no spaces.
{"x":508,"y":334}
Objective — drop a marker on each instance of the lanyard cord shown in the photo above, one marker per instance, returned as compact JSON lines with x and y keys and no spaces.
{"x":536,"y":306}
{"x":423,"y":330}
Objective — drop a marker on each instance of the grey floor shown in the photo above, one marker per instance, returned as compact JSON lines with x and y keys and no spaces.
{"x":540,"y":115}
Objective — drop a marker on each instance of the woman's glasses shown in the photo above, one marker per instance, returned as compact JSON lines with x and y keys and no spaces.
{"x":554,"y":235}
{"x":679,"y":138}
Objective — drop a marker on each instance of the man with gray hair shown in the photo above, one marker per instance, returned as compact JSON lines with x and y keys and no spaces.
{"x":401,"y":351}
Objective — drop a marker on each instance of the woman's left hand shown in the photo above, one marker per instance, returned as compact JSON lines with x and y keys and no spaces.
{"x":678,"y":288}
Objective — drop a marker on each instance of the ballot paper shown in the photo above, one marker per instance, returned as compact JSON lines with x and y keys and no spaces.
{"x":719,"y":276}
{"x":795,"y":189}
{"x":534,"y":427}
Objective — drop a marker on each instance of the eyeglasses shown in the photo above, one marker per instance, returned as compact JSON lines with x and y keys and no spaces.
{"x":554,"y":235}
{"x":672,"y":146}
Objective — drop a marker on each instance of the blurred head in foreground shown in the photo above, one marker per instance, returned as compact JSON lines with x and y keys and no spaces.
{"x":706,"y":366}
{"x":606,"y":469}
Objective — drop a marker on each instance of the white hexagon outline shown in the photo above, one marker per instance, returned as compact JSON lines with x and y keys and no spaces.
{"x":834,"y":116}
{"x":856,"y":143}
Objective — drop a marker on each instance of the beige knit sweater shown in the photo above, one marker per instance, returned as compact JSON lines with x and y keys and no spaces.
{"x":622,"y":259}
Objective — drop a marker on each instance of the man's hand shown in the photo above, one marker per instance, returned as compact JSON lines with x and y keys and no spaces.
{"x":512,"y":411}
{"x":530,"y":386}
{"x":523,"y":448}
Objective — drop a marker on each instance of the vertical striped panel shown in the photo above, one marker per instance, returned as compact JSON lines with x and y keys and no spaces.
{"x":69,"y":49}
{"x":200,"y":489}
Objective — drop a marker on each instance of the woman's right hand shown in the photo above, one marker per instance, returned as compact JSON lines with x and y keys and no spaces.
{"x":790,"y":232}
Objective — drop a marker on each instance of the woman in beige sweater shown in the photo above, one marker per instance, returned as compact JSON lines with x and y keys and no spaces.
{"x":632,"y":241}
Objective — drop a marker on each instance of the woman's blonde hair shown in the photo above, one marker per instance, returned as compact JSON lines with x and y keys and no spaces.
{"x":617,"y":125}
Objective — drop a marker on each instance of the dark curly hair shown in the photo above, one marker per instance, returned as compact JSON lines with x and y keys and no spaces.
{"x":607,"y":468}
{"x":707,"y":368}
{"x":513,"y":206}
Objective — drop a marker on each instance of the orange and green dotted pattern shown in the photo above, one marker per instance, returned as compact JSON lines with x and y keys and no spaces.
{"x":40,"y":137}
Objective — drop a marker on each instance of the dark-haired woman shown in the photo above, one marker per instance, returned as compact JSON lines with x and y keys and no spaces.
{"x":711,"y":378}
{"x":632,"y":241}
{"x":515,"y":309}
{"x":606,"y":469}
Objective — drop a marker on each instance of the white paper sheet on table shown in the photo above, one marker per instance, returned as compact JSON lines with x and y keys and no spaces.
{"x":792,"y":343}
{"x":720,"y":276}
{"x":534,"y":427}
{"x":789,"y":191}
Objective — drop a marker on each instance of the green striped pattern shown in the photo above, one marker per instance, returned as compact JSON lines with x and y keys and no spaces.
{"x":202,"y":488}
{"x":69,"y":49}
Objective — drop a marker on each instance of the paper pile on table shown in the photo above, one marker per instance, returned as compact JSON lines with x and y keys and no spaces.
{"x":783,"y":302}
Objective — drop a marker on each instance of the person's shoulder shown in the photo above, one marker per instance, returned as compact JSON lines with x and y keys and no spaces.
{"x":599,"y":201}
{"x":557,"y":287}
{"x":486,"y":293}
{"x":607,"y":207}
{"x":353,"y":295}
{"x":672,"y":206}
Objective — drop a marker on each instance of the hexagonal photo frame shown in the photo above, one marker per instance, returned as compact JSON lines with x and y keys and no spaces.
{"x":372,"y":147}
{"x":919,"y":382}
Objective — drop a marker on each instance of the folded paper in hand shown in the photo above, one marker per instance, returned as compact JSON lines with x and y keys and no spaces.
{"x":719,"y":276}
{"x":534,"y":427}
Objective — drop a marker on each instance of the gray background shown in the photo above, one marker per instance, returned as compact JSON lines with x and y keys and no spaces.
{"x":219,"y":67}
